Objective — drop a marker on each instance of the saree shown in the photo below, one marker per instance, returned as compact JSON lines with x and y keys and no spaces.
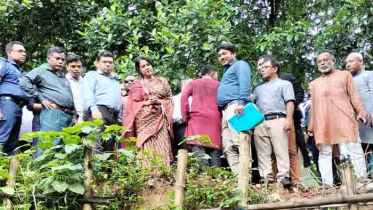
{"x":150,"y":123}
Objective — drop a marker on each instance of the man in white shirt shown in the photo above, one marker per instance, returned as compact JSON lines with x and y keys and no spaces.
{"x":178,"y":125}
{"x":74,"y":68}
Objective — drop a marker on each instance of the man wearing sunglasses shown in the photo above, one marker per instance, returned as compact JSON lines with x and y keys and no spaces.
{"x":125,"y":89}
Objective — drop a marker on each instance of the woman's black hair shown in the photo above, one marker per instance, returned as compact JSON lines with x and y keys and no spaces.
{"x":137,"y":63}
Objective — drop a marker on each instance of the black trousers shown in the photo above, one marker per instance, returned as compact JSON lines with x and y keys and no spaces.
{"x":214,"y":154}
{"x":179,"y":131}
{"x":368,"y":150}
{"x":110,"y":117}
{"x":299,"y":137}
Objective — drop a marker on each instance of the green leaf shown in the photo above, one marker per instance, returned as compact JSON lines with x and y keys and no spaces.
{"x":74,"y":139}
{"x":30,"y":135}
{"x":3,"y":174}
{"x":341,"y":14}
{"x":59,"y":186}
{"x":76,"y":176}
{"x":202,"y":139}
{"x":41,"y":157}
{"x":355,"y":20}
{"x":127,"y":153}
{"x":91,"y":140}
{"x":106,"y":136}
{"x":98,"y":123}
{"x":44,"y":145}
{"x":49,"y":190}
{"x":68,"y":166}
{"x":116,"y":128}
{"x":71,"y":130}
{"x":87,"y":129}
{"x":71,"y":148}
{"x":7,"y":190}
{"x":60,"y":156}
{"x":76,"y":188}
{"x":103,"y":156}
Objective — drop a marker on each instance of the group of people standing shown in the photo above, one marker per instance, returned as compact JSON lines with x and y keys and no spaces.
{"x":147,"y":110}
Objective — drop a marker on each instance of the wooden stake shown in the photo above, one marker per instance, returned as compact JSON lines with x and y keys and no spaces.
{"x":182,"y":159}
{"x":115,"y":156}
{"x":88,"y":173}
{"x":11,"y":181}
{"x":244,"y":175}
{"x":348,"y":173}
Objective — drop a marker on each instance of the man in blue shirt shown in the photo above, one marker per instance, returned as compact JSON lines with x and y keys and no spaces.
{"x":102,"y":94}
{"x":233,"y":94}
{"x":12,"y":98}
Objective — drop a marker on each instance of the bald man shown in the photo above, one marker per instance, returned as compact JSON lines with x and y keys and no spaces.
{"x":364,"y":83}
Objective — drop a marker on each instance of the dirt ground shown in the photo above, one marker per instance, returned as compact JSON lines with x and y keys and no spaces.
{"x":157,"y":196}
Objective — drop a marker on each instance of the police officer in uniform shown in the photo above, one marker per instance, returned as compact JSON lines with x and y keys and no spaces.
{"x":12,"y":98}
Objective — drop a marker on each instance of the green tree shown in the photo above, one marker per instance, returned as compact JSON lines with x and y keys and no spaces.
{"x":40,"y":24}
{"x":181,"y":36}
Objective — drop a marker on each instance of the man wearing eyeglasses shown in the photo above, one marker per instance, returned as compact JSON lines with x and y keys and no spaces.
{"x":12,"y":98}
{"x":275,"y":100}
{"x":102,"y":94}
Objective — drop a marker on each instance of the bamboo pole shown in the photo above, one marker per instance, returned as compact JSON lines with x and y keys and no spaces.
{"x":314,"y":202}
{"x":11,"y":180}
{"x":88,"y":173}
{"x":244,"y":176}
{"x":182,"y":158}
{"x":115,"y":155}
{"x":349,"y":180}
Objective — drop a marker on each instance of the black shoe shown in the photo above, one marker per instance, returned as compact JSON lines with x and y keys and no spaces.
{"x":370,"y":175}
{"x":286,"y":182}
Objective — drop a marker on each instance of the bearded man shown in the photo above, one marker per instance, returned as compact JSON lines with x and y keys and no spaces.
{"x":335,"y":110}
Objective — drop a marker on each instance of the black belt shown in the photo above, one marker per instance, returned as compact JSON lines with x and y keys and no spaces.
{"x":66,"y":110}
{"x":274,"y":116}
{"x":108,"y":109}
{"x":19,"y":102}
{"x":230,"y":103}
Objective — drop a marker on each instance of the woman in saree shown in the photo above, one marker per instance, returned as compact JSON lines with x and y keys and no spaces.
{"x":149,"y":110}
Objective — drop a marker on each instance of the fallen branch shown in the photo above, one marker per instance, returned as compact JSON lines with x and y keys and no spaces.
{"x":97,"y":200}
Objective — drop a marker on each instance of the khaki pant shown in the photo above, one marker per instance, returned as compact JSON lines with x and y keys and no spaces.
{"x":269,"y":137}
{"x":230,"y":139}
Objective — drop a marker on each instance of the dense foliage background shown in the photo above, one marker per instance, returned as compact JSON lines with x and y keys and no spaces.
{"x":181,"y":35}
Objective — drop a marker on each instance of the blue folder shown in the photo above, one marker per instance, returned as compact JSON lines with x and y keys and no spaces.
{"x":252,"y":117}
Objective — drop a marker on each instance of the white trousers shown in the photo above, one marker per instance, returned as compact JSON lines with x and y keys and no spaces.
{"x":354,"y":150}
